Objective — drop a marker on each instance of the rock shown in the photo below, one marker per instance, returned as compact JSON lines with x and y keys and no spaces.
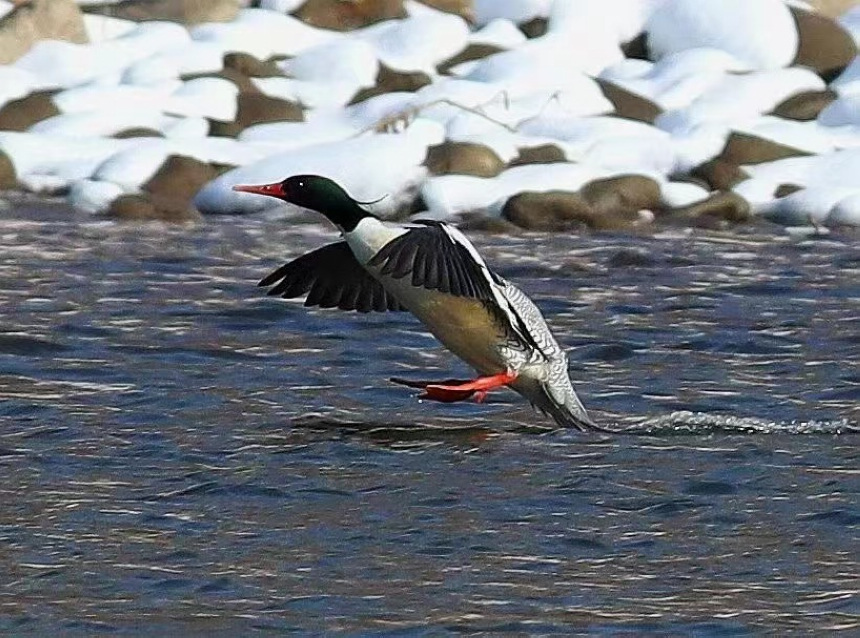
{"x":825,"y":47}
{"x":472,"y":52}
{"x":718,"y":211}
{"x":718,"y":174}
{"x":8,"y":178}
{"x":249,"y":66}
{"x":743,"y":148}
{"x":139,"y":131}
{"x":462,"y":8}
{"x":187,"y":12}
{"x":346,"y":16}
{"x":535,"y":28}
{"x":784,"y":190}
{"x":38,"y":20}
{"x":548,"y":211}
{"x":542,"y":154}
{"x":482,"y":223}
{"x":627,"y":104}
{"x":463,"y":158}
{"x":622,"y":195}
{"x":150,"y":208}
{"x":179,"y":179}
{"x":805,"y":106}
{"x":19,"y":115}
{"x":388,"y":81}
{"x":257,"y":108}
{"x":637,"y":48}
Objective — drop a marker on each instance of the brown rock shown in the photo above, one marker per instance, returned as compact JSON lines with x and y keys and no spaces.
{"x":549,"y":211}
{"x":179,"y":179}
{"x":479,"y":222}
{"x":743,"y":148}
{"x":8,"y":178}
{"x":388,"y":81}
{"x":825,"y":47}
{"x":38,"y":20}
{"x":19,"y":115}
{"x":622,"y":194}
{"x":719,"y":210}
{"x":138,"y":131}
{"x":463,"y":158}
{"x":242,"y":82}
{"x":185,"y":11}
{"x":805,"y":106}
{"x":471,"y":52}
{"x":140,"y":208}
{"x":534,"y":28}
{"x":542,"y":154}
{"x":249,"y":66}
{"x":346,"y":16}
{"x":718,"y":174}
{"x":462,"y":8}
{"x":257,"y":108}
{"x":627,"y":104}
{"x":637,"y":48}
{"x":784,"y":190}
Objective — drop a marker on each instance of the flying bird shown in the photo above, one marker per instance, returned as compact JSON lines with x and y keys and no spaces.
{"x":432,"y":270}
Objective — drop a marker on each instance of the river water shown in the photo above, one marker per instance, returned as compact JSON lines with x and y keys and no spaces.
{"x":182,"y":455}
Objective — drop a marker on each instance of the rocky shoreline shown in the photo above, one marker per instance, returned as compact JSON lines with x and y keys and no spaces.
{"x":545,"y":115}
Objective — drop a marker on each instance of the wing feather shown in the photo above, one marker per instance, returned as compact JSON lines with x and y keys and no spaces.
{"x":331,"y":277}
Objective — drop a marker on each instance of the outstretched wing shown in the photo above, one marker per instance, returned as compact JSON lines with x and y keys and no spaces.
{"x":332,"y":278}
{"x":437,"y":260}
{"x":439,"y":257}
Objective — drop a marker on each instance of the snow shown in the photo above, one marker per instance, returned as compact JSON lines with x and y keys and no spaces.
{"x":761,"y":33}
{"x":515,"y":10}
{"x":368,"y":168}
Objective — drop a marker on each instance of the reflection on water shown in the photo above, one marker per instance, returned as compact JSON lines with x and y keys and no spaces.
{"x":182,"y":454}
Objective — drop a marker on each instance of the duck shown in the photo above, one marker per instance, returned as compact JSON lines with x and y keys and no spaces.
{"x":431,"y":269}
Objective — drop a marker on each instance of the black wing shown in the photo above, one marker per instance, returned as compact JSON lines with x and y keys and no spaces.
{"x":436,"y":262}
{"x":332,"y":278}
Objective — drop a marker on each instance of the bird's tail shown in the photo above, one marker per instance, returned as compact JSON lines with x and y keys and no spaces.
{"x":558,"y":399}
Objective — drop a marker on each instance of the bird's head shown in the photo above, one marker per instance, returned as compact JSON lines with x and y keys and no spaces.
{"x":317,"y":193}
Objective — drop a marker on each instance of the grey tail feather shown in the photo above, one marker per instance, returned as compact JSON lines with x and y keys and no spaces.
{"x":566,"y":417}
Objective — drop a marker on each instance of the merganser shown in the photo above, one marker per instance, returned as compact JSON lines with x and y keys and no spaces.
{"x":432,"y":270}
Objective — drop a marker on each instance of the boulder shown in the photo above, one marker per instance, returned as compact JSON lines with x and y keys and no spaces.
{"x":138,"y":131}
{"x":805,"y":106}
{"x":475,"y":51}
{"x":743,"y":148}
{"x":179,"y":178}
{"x":627,"y":104}
{"x":346,"y":16}
{"x":8,"y":178}
{"x":548,"y":211}
{"x":187,"y":12}
{"x":622,"y":195}
{"x":257,"y":108}
{"x":38,"y":20}
{"x":534,"y":28}
{"x":144,"y":207}
{"x":718,"y":211}
{"x":718,"y":174}
{"x":249,"y":66}
{"x":825,"y":47}
{"x":462,"y":8}
{"x":541,"y":154}
{"x":463,"y":158}
{"x":19,"y":115}
{"x":389,"y":81}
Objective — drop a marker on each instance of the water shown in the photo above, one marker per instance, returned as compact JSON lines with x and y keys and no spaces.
{"x":182,"y":455}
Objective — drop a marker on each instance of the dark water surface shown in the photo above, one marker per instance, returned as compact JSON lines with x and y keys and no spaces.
{"x":181,"y":455}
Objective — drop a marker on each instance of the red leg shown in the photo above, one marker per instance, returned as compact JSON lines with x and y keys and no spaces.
{"x":462,"y":391}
